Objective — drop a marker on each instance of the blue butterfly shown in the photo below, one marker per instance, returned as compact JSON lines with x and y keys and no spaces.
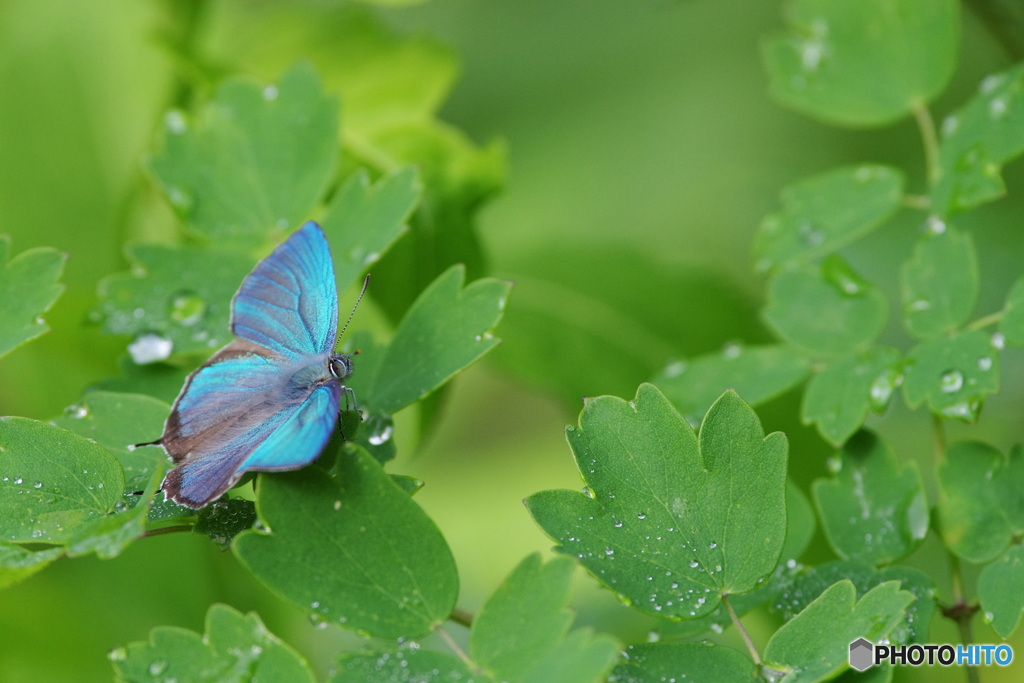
{"x":268,"y":400}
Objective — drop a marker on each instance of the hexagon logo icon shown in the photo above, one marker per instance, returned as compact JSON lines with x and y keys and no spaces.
{"x":862,"y":654}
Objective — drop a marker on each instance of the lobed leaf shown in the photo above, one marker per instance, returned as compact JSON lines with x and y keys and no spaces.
{"x":940,"y":283}
{"x":657,"y":662}
{"x":28,"y":287}
{"x":1001,"y":591}
{"x":405,"y":665}
{"x":953,"y":374}
{"x":109,"y":536}
{"x":18,"y":563}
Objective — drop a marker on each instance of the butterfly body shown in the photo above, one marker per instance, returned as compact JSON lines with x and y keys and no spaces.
{"x":268,"y":400}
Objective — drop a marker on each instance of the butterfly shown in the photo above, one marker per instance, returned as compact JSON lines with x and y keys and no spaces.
{"x":269,"y":400}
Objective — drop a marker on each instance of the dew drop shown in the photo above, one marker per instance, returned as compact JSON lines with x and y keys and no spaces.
{"x":76,"y":411}
{"x":985,"y":363}
{"x":150,"y":348}
{"x":157,"y":667}
{"x":935,"y":225}
{"x":270,"y":93}
{"x":187,"y":308}
{"x":951,"y":381}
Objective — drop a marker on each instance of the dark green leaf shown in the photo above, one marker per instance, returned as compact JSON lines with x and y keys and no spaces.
{"x":815,"y":644}
{"x":863,"y":63}
{"x":822,"y":213}
{"x":404,"y":666}
{"x":671,"y":520}
{"x":109,"y":536}
{"x":873,"y":508}
{"x":256,"y":162}
{"x":977,"y":141}
{"x":940,"y":282}
{"x":1001,"y":591}
{"x":355,"y":550}
{"x":953,"y":374}
{"x":225,"y":519}
{"x":828,"y":310}
{"x":522,"y":631}
{"x":235,"y":648}
{"x":52,"y":481}
{"x":839,"y":396}
{"x":659,"y":662}
{"x":28,"y":287}
{"x":17,"y":563}
{"x":980,"y":505}
{"x":757,"y":373}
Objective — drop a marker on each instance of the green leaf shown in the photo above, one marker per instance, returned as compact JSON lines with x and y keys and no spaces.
{"x":522,"y":631}
{"x":52,"y":481}
{"x":671,"y":520}
{"x":658,"y":662}
{"x":828,"y":310}
{"x":225,"y":519}
{"x":872,"y":508}
{"x":815,"y":644}
{"x":448,"y":327}
{"x":806,"y":586}
{"x":980,"y":503}
{"x":355,"y":550}
{"x":977,"y":141}
{"x":864,"y":63}
{"x":953,"y":374}
{"x":18,"y":564}
{"x":109,"y":536}
{"x":176,"y":299}
{"x":257,"y":160}
{"x":1001,"y":591}
{"x":364,"y":220}
{"x":235,"y":647}
{"x":757,"y":373}
{"x":822,"y":213}
{"x":1012,"y":324}
{"x":162,"y":381}
{"x":28,"y":287}
{"x":940,"y":282}
{"x":116,"y":422}
{"x":839,"y":396}
{"x":404,"y":666}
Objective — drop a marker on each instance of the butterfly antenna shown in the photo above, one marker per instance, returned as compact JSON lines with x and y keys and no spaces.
{"x":344,"y":327}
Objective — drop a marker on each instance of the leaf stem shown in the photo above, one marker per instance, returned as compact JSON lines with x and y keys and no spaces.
{"x":961,"y":612}
{"x":462,"y":617}
{"x":939,"y":432}
{"x":929,"y":139}
{"x":742,"y":631}
{"x":917,"y":201}
{"x":167,"y":530}
{"x":455,"y":648}
{"x":985,"y":321}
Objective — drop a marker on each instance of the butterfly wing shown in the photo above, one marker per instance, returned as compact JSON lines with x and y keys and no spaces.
{"x":289,"y":302}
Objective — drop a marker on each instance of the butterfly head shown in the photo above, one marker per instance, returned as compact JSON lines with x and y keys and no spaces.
{"x":340,"y":366}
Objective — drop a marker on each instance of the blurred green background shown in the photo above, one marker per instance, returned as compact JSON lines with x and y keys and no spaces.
{"x":643,"y":150}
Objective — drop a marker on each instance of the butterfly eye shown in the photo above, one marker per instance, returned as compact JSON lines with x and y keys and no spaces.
{"x":340,"y":366}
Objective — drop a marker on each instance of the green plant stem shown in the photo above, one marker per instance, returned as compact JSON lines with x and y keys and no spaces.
{"x":742,"y":631}
{"x":461,"y":617}
{"x":455,"y":648}
{"x":167,"y":530}
{"x":961,"y":612}
{"x":939,"y":432}
{"x":985,"y":321}
{"x":917,"y":201}
{"x":929,"y":139}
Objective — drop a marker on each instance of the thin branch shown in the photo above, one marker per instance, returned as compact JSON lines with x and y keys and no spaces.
{"x":462,"y":617}
{"x":929,"y":139}
{"x":455,"y":648}
{"x":742,"y":631}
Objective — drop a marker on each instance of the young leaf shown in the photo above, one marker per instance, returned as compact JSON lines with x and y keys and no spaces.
{"x":940,"y":283}
{"x":980,"y":503}
{"x":864,"y":63}
{"x":28,"y":287}
{"x":1001,"y":591}
{"x":839,"y":396}
{"x":52,"y":481}
{"x":257,"y":161}
{"x":18,"y":563}
{"x":758,"y":373}
{"x":815,"y":645}
{"x":404,"y":666}
{"x":953,"y":374}
{"x":872,"y":509}
{"x":364,"y":220}
{"x":355,"y":549}
{"x":1012,"y":324}
{"x":671,"y":520}
{"x":235,"y":648}
{"x":448,"y":327}
{"x":657,"y":662}
{"x":828,"y":310}
{"x":522,"y":631}
{"x":822,"y":213}
{"x":977,"y":141}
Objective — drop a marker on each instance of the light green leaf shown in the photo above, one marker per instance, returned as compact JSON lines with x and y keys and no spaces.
{"x":354,"y":550}
{"x":940,"y":283}
{"x":659,"y":662}
{"x":822,"y":213}
{"x":828,"y":310}
{"x":977,"y":141}
{"x":815,"y":644}
{"x":256,"y":162}
{"x":17,"y":563}
{"x":671,"y":520}
{"x":522,"y":631}
{"x":1001,"y":591}
{"x":109,"y":536}
{"x":839,"y":396}
{"x":864,"y":63}
{"x":404,"y":666}
{"x":980,"y":503}
{"x":235,"y":648}
{"x":52,"y":481}
{"x":1012,"y":324}
{"x":872,"y":508}
{"x":757,"y":373}
{"x":162,"y":381}
{"x":953,"y":374}
{"x":448,"y":327}
{"x":28,"y":287}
